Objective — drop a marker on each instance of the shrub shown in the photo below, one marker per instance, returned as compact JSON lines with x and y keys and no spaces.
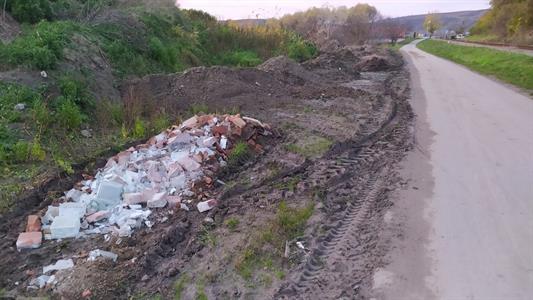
{"x":30,"y":11}
{"x":41,"y":47}
{"x":241,"y":59}
{"x":21,"y":151}
{"x":36,"y":152}
{"x":139,"y":129}
{"x":41,"y":115}
{"x":76,"y":91}
{"x":301,"y":50}
{"x":69,"y":114}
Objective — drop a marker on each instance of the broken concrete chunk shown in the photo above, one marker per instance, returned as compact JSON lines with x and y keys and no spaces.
{"x":29,"y":240}
{"x":188,"y":163}
{"x":65,"y":227}
{"x":101,"y":253}
{"x":72,"y":209}
{"x":51,"y":213}
{"x":209,"y":141}
{"x":134,"y":198}
{"x":109,"y":194}
{"x":158,"y":200}
{"x":34,"y":223}
{"x":173,"y":201}
{"x":62,"y":264}
{"x":20,"y":106}
{"x":206,"y":205}
{"x":74,"y":195}
{"x":40,"y":281}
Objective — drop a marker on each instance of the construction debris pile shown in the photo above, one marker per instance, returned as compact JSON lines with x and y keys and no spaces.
{"x":166,"y":171}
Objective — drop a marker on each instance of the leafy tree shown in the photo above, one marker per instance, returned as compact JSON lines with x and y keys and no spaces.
{"x":432,"y":23}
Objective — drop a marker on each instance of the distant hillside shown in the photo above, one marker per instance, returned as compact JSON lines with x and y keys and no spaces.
{"x":449,"y":21}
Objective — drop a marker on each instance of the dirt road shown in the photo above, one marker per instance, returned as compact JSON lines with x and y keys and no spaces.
{"x":467,"y":208}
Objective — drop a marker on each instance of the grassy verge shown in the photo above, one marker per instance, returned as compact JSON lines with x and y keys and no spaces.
{"x":402,"y":43}
{"x":516,"y":69}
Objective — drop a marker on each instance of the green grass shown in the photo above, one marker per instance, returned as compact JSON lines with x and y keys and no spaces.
{"x":398,"y":45}
{"x":232,"y":223}
{"x":310,"y":146}
{"x":267,"y":247}
{"x":513,"y":68}
{"x":180,"y":286}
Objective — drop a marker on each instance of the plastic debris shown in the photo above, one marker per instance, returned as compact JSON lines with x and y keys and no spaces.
{"x":62,"y":264}
{"x":206,"y":205}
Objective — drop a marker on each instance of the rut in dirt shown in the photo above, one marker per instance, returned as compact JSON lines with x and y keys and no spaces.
{"x":361,"y":173}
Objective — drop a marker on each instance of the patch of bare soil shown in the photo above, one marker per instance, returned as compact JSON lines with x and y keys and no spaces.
{"x":341,"y":132}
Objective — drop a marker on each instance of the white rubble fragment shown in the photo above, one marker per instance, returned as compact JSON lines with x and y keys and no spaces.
{"x":109,"y":194}
{"x":206,"y":205}
{"x":44,"y":74}
{"x":159,"y":200}
{"x":74,"y":195}
{"x":94,"y":254}
{"x":40,"y":281}
{"x":61,"y":264}
{"x":51,"y":213}
{"x":65,"y":227}
{"x":223,"y":142}
{"x":184,"y":206}
{"x":300,"y":245}
{"x":72,"y":209}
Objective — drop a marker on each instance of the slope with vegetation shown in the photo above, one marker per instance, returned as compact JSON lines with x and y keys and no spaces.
{"x":87,"y":49}
{"x":506,"y":21}
{"x":513,"y":68}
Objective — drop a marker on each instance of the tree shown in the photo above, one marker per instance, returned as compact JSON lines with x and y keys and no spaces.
{"x":432,"y":23}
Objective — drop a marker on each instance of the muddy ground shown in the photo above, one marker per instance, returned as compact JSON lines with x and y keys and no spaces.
{"x":343,"y":123}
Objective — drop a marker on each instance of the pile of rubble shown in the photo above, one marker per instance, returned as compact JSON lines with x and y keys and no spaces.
{"x":162,"y":172}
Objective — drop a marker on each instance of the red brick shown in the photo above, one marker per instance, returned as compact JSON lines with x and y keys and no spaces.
{"x":29,"y":240}
{"x":34,"y":223}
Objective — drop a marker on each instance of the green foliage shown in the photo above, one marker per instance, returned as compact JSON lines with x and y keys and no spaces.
{"x":198,"y":108}
{"x":41,"y":115}
{"x":232,"y":223}
{"x":269,"y":245}
{"x":139,"y":129}
{"x":68,"y":114}
{"x":21,"y":151}
{"x":239,"y":154}
{"x":508,"y":20}
{"x":241,"y":59}
{"x":311,"y":146}
{"x":510,"y":67}
{"x":76,"y":91}
{"x":36,"y":152}
{"x":301,"y":50}
{"x":39,"y":47}
{"x":432,"y":23}
{"x":180,"y":285}
{"x":160,"y":123}
{"x":30,"y":11}
{"x":64,"y":165}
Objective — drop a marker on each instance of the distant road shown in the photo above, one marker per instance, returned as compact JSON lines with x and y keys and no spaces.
{"x":502,"y":48}
{"x":468,"y":208}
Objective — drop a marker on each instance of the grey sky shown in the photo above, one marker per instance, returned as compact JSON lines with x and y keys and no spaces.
{"x":240,"y":9}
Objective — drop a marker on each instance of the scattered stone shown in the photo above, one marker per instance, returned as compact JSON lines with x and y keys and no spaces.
{"x":72,"y":209}
{"x":86,"y":133}
{"x":40,"y":281}
{"x":209,"y":221}
{"x":86,"y":294}
{"x":20,"y":106}
{"x":145,"y":278}
{"x":206,"y":205}
{"x":62,"y":264}
{"x":44,"y":74}
{"x":29,"y":240}
{"x":159,"y":200}
{"x":34,"y":223}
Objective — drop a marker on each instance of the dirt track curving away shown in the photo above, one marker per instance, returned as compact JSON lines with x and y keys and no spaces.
{"x":353,"y":98}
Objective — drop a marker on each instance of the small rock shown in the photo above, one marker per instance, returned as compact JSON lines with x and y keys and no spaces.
{"x":206,"y":205}
{"x":145,"y":278}
{"x":86,"y":133}
{"x":158,"y":200}
{"x":44,"y":74}
{"x":61,"y":264}
{"x":86,"y":294}
{"x":100,"y":253}
{"x":209,"y":220}
{"x":20,"y":106}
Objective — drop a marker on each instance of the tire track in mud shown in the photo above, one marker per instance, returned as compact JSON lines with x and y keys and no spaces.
{"x":342,"y":258}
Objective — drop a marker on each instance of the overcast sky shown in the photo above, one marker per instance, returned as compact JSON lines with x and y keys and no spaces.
{"x":241,"y":9}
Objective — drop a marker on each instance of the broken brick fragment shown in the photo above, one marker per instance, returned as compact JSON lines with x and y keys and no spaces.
{"x":34,"y":223}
